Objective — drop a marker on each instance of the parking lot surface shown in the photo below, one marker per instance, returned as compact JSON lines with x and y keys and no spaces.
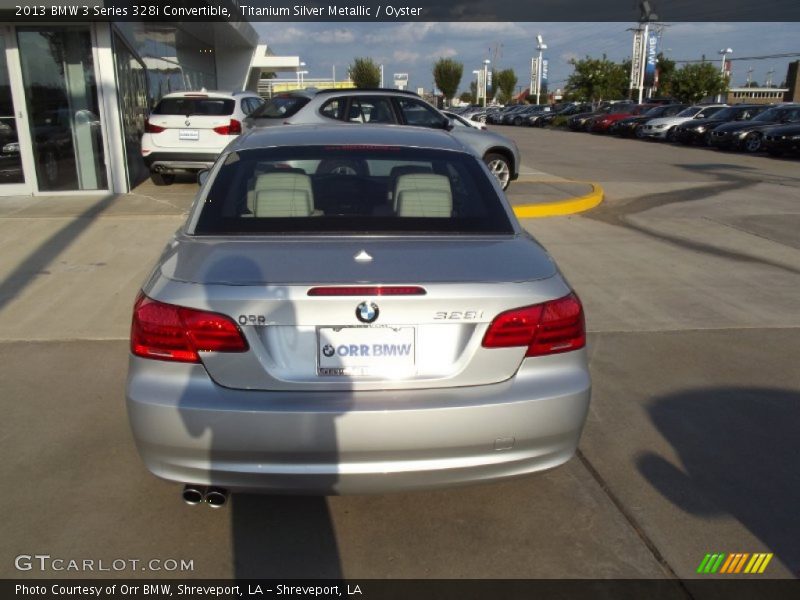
{"x":689,"y":274}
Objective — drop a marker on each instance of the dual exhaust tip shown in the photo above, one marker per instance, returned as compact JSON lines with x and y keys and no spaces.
{"x":215,"y":497}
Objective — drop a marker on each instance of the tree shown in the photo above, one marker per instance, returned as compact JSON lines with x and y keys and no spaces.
{"x":597,"y":79}
{"x":506,"y":81}
{"x":695,"y":81}
{"x":447,"y":75}
{"x":666,"y":73}
{"x":365,"y":73}
{"x":467,"y":98}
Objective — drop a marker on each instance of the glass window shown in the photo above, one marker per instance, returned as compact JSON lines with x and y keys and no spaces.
{"x":186,"y":105}
{"x":334,"y":108}
{"x":281,"y":106}
{"x":133,"y":100}
{"x":63,"y":111}
{"x":10,"y":160}
{"x":365,"y":109}
{"x":351,"y":189}
{"x":418,"y":113}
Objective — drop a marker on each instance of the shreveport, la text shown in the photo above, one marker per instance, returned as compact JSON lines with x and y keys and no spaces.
{"x":166,"y":589}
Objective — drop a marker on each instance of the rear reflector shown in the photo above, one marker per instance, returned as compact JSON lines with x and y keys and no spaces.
{"x":150,"y":128}
{"x":167,"y":332}
{"x":390,"y":290}
{"x":232,"y":128}
{"x":548,"y":328}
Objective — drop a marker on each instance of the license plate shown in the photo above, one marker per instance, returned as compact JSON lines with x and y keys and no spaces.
{"x":188,"y":134}
{"x":365,"y":351}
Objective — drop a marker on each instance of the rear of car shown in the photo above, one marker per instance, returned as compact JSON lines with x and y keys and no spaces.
{"x":780,"y":140}
{"x":186,"y":131}
{"x":354,"y":310}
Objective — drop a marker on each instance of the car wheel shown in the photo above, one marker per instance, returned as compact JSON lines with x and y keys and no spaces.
{"x":752,"y":143}
{"x":500,"y":168}
{"x":639,"y":132}
{"x":672,"y":135}
{"x":517,"y":121}
{"x":707,"y":138}
{"x":162,"y":178}
{"x":50,"y":167}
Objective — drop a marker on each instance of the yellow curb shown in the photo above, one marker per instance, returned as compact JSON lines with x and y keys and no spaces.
{"x":569,"y":206}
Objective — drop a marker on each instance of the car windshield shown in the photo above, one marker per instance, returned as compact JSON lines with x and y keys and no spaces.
{"x":689,"y":112}
{"x":189,"y":105}
{"x":280,"y":107}
{"x":656,"y":111}
{"x":728,"y":113}
{"x":352,"y":189}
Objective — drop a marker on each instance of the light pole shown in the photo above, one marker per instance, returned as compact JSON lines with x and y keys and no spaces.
{"x":301,"y":73}
{"x":381,"y":76}
{"x":724,"y":53}
{"x":485,"y":80}
{"x":540,"y":46}
{"x":477,"y":73}
{"x":299,"y":79}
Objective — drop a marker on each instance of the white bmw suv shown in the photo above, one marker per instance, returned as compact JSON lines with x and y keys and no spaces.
{"x":187,"y":130}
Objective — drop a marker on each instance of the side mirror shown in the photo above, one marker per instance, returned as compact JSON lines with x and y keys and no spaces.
{"x":202,"y":176}
{"x":449,"y":124}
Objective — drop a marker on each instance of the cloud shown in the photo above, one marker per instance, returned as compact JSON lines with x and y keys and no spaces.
{"x":335,"y":36}
{"x":443,"y":53}
{"x":405,"y":56}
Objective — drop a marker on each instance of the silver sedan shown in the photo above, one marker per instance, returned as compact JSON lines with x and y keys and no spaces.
{"x":351,"y":310}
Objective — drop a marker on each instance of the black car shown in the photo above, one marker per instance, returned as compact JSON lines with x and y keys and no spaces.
{"x":631,"y":126}
{"x":749,"y":135}
{"x":698,"y":131}
{"x":783,"y":139}
{"x":567,"y":111}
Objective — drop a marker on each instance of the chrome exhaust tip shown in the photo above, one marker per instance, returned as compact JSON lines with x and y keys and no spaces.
{"x":216,"y":497}
{"x":193,"y":494}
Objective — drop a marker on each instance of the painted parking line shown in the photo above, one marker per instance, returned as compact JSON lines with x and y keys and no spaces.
{"x":566,"y":206}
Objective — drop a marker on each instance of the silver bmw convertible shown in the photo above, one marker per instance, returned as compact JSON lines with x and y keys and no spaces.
{"x":353,"y":310}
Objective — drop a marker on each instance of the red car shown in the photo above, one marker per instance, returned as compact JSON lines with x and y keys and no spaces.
{"x":603,"y":124}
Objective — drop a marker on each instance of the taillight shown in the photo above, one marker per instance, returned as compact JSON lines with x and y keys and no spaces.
{"x":232,"y":128}
{"x":176,"y":333}
{"x":150,"y":128}
{"x":548,"y":328}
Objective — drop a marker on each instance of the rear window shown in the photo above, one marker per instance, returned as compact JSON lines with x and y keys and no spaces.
{"x":195,"y":106}
{"x":351,"y":189}
{"x":280,"y":107}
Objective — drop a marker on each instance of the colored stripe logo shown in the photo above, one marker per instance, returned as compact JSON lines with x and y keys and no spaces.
{"x":737,"y":562}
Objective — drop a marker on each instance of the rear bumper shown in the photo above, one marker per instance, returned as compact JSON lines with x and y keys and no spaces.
{"x":180,"y":161}
{"x":190,"y":430}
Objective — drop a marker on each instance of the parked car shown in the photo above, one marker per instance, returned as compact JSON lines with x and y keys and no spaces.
{"x":186,"y":131}
{"x":748,"y":136}
{"x":584,"y":121}
{"x":314,"y":329}
{"x":565,"y":113}
{"x":602,"y":125}
{"x":664,"y":128}
{"x":537,"y":118}
{"x":458,"y":120}
{"x":631,"y":126}
{"x":698,"y":131}
{"x":498,"y":117}
{"x":388,"y":107}
{"x":780,"y":140}
{"x":520,"y":117}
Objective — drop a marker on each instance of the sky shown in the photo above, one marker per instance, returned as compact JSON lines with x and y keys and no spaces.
{"x":414,"y":47}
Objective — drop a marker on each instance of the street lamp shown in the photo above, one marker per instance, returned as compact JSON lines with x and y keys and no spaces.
{"x":485,"y":79}
{"x":301,"y":73}
{"x":540,"y":46}
{"x":299,"y":78}
{"x":724,"y":53}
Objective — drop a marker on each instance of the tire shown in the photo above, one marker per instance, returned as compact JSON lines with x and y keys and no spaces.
{"x":671,"y":135}
{"x":639,"y":132}
{"x":752,"y":143}
{"x":517,"y":121}
{"x":707,"y":139}
{"x":160,"y":179}
{"x":500,"y":168}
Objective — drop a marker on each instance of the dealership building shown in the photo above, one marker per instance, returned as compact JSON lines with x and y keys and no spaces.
{"x":74,"y":96}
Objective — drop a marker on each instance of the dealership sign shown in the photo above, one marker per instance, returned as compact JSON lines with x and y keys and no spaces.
{"x":652,"y":61}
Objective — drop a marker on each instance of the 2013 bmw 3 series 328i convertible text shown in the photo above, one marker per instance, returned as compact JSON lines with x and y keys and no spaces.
{"x":352,"y":310}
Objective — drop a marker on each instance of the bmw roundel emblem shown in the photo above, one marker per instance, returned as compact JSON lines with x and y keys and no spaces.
{"x":367,"y":312}
{"x":328,"y":350}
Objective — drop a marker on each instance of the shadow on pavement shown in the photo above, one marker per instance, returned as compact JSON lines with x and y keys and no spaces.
{"x":738,"y":447}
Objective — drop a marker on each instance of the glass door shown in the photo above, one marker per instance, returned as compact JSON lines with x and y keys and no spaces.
{"x":12,"y":173}
{"x":63,"y":109}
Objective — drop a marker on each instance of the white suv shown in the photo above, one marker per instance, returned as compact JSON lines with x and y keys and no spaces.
{"x":187,"y":130}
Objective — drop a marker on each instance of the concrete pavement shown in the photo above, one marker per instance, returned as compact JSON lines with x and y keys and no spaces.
{"x":689,"y":279}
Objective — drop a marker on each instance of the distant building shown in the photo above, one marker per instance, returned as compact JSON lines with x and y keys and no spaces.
{"x":268,"y":87}
{"x":756,"y":95}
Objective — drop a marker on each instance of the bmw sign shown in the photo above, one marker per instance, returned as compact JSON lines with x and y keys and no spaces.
{"x":367,"y":312}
